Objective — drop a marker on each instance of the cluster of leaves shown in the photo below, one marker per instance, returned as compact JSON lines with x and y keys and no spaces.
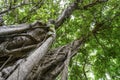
{"x":100,"y":54}
{"x":31,"y":11}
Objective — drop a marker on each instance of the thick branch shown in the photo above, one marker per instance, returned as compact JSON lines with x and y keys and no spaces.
{"x":66,"y":13}
{"x":5,"y":30}
{"x":71,"y":8}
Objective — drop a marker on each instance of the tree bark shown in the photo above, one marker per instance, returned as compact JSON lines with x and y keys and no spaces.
{"x":25,"y":67}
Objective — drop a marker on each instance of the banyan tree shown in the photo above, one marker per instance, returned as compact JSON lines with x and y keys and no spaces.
{"x":59,"y":40}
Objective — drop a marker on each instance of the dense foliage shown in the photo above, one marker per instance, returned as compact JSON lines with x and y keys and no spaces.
{"x":99,"y":58}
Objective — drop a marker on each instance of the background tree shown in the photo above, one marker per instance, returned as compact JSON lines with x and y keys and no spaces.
{"x":84,"y":46}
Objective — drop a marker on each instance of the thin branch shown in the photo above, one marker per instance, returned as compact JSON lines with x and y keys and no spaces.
{"x":5,"y":62}
{"x":94,"y":3}
{"x":31,"y":11}
{"x":84,"y":65}
{"x":14,"y":7}
{"x":102,"y":46}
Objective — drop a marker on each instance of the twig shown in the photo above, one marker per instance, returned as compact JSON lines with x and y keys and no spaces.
{"x":5,"y":62}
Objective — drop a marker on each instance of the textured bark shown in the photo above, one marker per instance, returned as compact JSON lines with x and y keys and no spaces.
{"x":19,"y":42}
{"x":25,"y":67}
{"x":53,"y":63}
